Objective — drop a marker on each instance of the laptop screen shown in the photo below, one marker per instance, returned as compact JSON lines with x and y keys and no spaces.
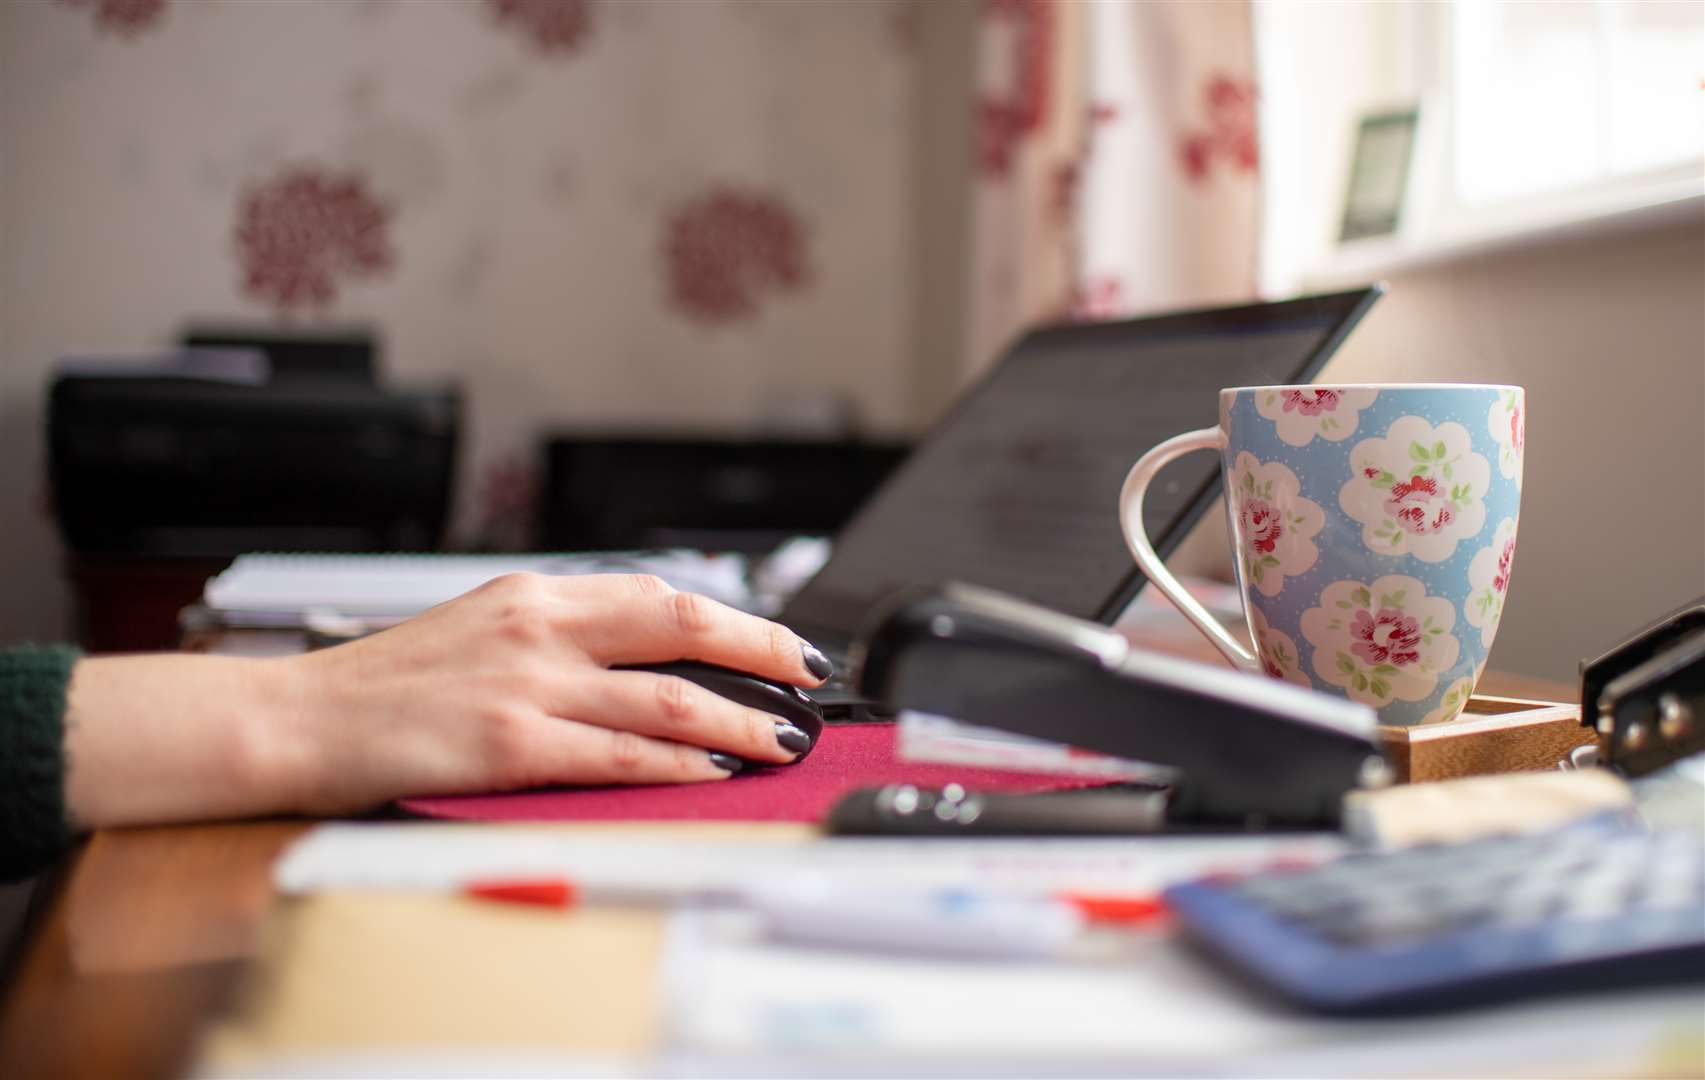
{"x":1017,"y":487}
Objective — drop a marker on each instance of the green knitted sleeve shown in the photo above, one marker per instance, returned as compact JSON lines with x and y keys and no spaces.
{"x":33,"y":825}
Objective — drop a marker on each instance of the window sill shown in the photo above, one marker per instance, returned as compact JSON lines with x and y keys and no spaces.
{"x":1673,"y":202}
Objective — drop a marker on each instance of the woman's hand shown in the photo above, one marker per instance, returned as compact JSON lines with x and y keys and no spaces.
{"x":506,"y":687}
{"x":509,"y":687}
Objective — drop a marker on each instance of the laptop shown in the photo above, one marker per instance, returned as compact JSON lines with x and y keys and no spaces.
{"x":1016,"y":488}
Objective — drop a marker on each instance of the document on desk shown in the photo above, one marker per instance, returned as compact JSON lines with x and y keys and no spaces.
{"x":447,"y":857}
{"x":736,"y":1003}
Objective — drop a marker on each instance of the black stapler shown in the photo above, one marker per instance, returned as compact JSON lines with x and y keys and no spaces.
{"x":1248,"y":752}
{"x":1646,"y":697}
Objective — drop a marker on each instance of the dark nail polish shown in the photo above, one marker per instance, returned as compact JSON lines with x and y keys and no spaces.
{"x":818,"y":664}
{"x":791,"y":738}
{"x":728,"y":762}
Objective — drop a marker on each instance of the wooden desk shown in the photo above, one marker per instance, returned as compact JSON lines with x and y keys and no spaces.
{"x":146,"y":937}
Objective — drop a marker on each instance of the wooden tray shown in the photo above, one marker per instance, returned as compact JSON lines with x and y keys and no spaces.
{"x":1493,"y":735}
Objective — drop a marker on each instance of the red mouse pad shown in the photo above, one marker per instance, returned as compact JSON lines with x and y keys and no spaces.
{"x":848,"y":757}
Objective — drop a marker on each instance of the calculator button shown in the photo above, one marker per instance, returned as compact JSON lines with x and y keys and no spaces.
{"x":1593,"y":906}
{"x":1524,"y":909}
{"x":1667,"y":895}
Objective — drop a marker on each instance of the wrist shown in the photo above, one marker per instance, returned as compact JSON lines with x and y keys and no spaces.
{"x":286,"y":748}
{"x":164,"y":738}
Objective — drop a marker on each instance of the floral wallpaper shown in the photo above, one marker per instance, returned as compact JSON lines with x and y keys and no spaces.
{"x":728,"y":247}
{"x":594,"y":213}
{"x":555,"y":26}
{"x":123,"y":18}
{"x":299,"y":232}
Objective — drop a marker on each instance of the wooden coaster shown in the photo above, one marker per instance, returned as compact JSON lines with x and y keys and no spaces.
{"x":1493,"y":735}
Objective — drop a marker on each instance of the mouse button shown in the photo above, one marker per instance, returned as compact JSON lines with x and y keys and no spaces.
{"x":685,"y":669}
{"x":783,"y":702}
{"x":749,"y":692}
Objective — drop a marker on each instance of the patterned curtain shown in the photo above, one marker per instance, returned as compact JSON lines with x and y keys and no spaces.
{"x":1117,"y":163}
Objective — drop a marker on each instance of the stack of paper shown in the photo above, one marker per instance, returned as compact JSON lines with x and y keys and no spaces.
{"x":370,"y":586}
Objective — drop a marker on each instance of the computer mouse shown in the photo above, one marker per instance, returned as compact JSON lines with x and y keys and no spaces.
{"x":783,"y":701}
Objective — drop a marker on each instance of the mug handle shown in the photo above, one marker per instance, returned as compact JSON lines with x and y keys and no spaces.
{"x":1131,"y":521}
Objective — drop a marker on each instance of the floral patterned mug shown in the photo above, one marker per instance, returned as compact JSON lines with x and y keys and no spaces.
{"x":1372,"y":527}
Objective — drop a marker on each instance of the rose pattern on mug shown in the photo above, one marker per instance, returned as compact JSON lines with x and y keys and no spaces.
{"x":1451,"y":701}
{"x":1280,"y":658}
{"x":1299,"y":413}
{"x":1373,"y":532}
{"x":1417,"y":491}
{"x":1509,"y":431}
{"x":1277,"y":525}
{"x":1383,"y":640}
{"x":1489,"y":581}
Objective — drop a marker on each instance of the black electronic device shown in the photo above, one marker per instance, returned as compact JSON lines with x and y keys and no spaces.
{"x":300,"y":355}
{"x":620,"y":492}
{"x":1646,"y":697}
{"x":953,"y":812}
{"x":1247,"y":750}
{"x":786,"y":703}
{"x":166,"y":466}
{"x":1016,"y":488}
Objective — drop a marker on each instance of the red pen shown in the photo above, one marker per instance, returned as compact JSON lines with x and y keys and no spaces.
{"x":537,"y":892}
{"x":1106,"y":909}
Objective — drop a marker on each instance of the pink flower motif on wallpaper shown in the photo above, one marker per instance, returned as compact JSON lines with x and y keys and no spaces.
{"x":554,"y":26}
{"x":726,"y":248}
{"x":1100,"y":297}
{"x":302,"y":231}
{"x":126,"y":18}
{"x":1230,"y":137}
{"x":1067,"y":185}
{"x":903,"y":26}
{"x":1012,"y":113}
{"x":508,"y":501}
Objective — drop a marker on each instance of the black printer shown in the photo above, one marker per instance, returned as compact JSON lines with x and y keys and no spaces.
{"x":290,"y":444}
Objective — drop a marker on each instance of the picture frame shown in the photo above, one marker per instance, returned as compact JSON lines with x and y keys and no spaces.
{"x":1380,"y":166}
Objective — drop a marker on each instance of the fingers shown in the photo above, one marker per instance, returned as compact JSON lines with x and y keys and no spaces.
{"x":567,"y":752}
{"x":668,"y":707}
{"x":640,"y":620}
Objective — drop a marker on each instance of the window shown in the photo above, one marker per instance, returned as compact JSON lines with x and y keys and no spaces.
{"x":1534,"y":117}
{"x":1553,"y":96}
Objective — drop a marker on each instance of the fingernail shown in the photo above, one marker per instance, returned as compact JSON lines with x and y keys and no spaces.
{"x":791,"y":738}
{"x":815,"y":661}
{"x":728,"y":762}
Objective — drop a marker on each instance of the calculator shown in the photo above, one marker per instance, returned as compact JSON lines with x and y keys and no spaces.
{"x":1439,"y":926}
